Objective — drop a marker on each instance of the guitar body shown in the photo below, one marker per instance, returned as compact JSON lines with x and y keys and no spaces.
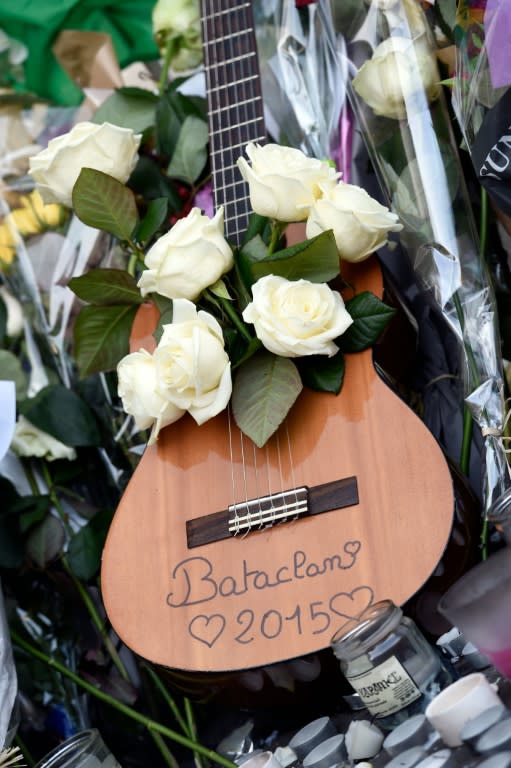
{"x":279,"y":592}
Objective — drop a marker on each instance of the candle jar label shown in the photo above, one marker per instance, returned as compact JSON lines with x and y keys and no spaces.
{"x":386,"y":688}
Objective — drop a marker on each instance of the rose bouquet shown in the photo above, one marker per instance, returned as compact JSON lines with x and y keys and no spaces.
{"x":396,"y":94}
{"x":232,"y":320}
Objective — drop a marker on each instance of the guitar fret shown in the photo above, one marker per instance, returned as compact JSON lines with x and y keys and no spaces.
{"x":235,"y":115}
{"x":214,"y":16}
{"x":217,"y":88}
{"x":232,"y":36}
{"x":243,"y":124}
{"x":222,"y":150}
{"x":234,"y":60}
{"x":244,"y":103}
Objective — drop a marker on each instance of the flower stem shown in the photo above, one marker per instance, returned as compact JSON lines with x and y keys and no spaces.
{"x":230,"y":312}
{"x":165,"y":751}
{"x":167,"y":58}
{"x":192,"y":729}
{"x":97,"y":621}
{"x":276,"y":233}
{"x":168,"y":698}
{"x":151,"y":725}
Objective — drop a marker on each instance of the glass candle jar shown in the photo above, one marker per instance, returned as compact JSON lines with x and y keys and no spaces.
{"x":83,"y":750}
{"x":389,"y":663}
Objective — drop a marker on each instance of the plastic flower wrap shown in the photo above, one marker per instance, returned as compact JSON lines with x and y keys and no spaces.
{"x":396,"y":95}
{"x":303,"y":77}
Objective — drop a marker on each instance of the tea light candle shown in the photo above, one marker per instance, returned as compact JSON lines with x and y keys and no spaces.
{"x":311,"y":735}
{"x":459,"y":702}
{"x":414,"y":732}
{"x":407,"y":759}
{"x":325,"y":755}
{"x":496,"y":738}
{"x":476,"y":726}
{"x":501,"y":760}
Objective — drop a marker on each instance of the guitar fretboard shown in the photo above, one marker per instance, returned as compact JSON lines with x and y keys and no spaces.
{"x":235,"y":107}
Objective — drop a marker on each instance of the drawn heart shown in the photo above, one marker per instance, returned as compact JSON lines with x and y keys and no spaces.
{"x":351,"y":604}
{"x":352,"y":547}
{"x":207,"y":629}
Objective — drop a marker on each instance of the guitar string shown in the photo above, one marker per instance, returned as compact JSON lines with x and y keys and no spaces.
{"x":239,"y":77}
{"x":207,"y":22}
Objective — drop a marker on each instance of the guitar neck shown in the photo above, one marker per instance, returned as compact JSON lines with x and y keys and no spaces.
{"x":235,"y":106}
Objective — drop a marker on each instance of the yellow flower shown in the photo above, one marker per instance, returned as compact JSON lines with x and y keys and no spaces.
{"x":34,"y":216}
{"x":7,"y":244}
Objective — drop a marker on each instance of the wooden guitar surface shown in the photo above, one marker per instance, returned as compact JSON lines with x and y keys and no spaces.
{"x":278,"y":592}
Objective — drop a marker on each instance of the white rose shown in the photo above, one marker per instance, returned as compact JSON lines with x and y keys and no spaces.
{"x":176,"y":17}
{"x":191,"y":256}
{"x":359,"y":222}
{"x":398,"y":68}
{"x":297,"y":318}
{"x":28,"y":440}
{"x":137,"y":388}
{"x":193,"y":368}
{"x":179,"y":21}
{"x":284,"y":182}
{"x":14,"y":312}
{"x":107,"y":148}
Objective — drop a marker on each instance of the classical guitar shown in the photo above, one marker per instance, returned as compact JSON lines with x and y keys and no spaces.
{"x":222,"y":556}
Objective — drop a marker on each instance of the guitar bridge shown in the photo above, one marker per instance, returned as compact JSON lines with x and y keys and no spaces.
{"x":266,"y":511}
{"x":256,"y":514}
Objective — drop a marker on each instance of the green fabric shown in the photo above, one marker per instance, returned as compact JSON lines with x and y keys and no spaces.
{"x":38,"y":22}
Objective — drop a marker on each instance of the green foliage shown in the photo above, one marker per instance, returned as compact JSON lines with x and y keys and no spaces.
{"x":324,"y":374}
{"x":370,"y":317}
{"x":61,"y":413}
{"x":265,"y":389}
{"x":316,"y":260}
{"x":12,"y":370}
{"x":101,"y":201}
{"x":133,"y":108}
{"x":86,"y":546}
{"x":101,"y":336}
{"x":106,"y":286}
{"x":190,"y":155}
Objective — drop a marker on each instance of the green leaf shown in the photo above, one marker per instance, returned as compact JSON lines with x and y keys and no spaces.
{"x":168,"y":126}
{"x":102,"y":202}
{"x":101,"y":336}
{"x":62,"y":414}
{"x":133,"y":108}
{"x":321,"y":373}
{"x":86,"y":546}
{"x":12,"y":370}
{"x":370,"y":317}
{"x":316,"y":260}
{"x":157,"y":212}
{"x":265,"y":389}
{"x":148,"y":181}
{"x":257,"y":225}
{"x":31,"y":509}
{"x":46,"y":541}
{"x":190,"y":154}
{"x":106,"y":286}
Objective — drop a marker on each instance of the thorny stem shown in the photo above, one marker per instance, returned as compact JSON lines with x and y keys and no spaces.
{"x":151,"y":725}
